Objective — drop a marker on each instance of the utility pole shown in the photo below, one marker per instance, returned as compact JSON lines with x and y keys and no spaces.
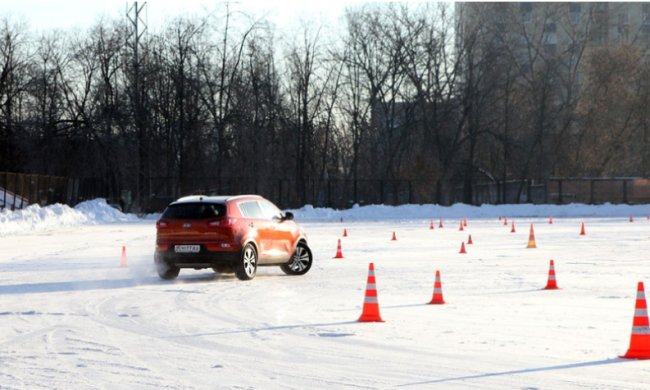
{"x":136,"y":30}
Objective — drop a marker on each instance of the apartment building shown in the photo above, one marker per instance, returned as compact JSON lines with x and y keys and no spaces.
{"x":556,"y":29}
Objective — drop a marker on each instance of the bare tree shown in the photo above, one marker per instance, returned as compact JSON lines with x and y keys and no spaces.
{"x":220,"y":66}
{"x":614,"y":113}
{"x":13,"y":69}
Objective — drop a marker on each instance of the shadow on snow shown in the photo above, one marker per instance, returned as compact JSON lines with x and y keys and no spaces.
{"x":107,"y":284}
{"x":522,"y":371}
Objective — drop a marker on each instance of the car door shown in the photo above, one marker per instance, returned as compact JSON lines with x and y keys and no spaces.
{"x":260,"y":227}
{"x":282,"y":230}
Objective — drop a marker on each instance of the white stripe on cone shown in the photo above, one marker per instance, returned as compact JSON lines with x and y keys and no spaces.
{"x":641,"y":330}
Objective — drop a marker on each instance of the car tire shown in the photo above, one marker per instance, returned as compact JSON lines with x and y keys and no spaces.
{"x":246,"y":267}
{"x":300,"y":262}
{"x":164,"y":269}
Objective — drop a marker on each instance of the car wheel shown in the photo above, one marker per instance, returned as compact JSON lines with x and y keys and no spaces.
{"x":300,"y":262}
{"x":164,"y":269}
{"x":247,"y":265}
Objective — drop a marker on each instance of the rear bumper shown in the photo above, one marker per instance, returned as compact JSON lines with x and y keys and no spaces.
{"x":203,"y":259}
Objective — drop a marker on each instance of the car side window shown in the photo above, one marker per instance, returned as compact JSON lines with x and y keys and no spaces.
{"x":251,"y":209}
{"x":270,"y":211}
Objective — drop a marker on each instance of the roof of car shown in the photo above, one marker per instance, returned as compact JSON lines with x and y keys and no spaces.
{"x":212,"y":199}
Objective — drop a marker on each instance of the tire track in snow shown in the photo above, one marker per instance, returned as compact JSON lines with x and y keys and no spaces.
{"x":158,"y":330}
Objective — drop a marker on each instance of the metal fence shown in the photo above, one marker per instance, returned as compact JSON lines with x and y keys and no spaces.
{"x":290,"y":193}
{"x":19,"y":190}
{"x":596,"y":190}
{"x":557,"y":190}
{"x":506,"y":192}
{"x":345,"y":193}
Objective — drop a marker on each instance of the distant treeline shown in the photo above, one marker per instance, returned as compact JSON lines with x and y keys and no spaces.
{"x":396,"y":94}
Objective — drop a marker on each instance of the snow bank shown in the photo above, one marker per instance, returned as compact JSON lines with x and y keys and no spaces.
{"x":37,"y":218}
{"x":430,"y":211}
{"x":98,"y":211}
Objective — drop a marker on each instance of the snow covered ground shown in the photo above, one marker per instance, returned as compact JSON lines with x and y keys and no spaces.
{"x":71,"y":317}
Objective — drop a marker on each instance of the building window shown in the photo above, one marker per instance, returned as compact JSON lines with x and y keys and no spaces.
{"x":526,"y":10}
{"x":623,"y":27}
{"x":550,"y":42}
{"x":550,"y":27}
{"x":574,"y":12}
{"x":500,"y":20}
{"x":599,"y":35}
{"x":600,"y":25}
{"x":646,"y":18}
{"x":550,"y":38}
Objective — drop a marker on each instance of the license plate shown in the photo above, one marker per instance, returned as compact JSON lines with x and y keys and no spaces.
{"x":187,"y":248}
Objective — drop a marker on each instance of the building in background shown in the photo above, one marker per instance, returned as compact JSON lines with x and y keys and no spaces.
{"x":535,"y":31}
{"x":560,"y":86}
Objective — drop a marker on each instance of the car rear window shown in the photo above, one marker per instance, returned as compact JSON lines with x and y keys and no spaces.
{"x":194,"y":211}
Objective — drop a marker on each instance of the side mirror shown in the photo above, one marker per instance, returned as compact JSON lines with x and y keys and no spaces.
{"x":288,"y":216}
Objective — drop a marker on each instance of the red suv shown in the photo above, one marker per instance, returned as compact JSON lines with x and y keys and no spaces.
{"x":229,"y":234}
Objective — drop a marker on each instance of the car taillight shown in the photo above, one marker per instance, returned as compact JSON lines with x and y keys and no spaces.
{"x":161,"y":224}
{"x":223,"y":222}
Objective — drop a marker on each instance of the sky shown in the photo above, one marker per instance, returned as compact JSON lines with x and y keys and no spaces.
{"x":43,"y":15}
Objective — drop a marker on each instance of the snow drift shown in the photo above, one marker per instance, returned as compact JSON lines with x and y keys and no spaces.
{"x":37,"y":218}
{"x":431,"y":211}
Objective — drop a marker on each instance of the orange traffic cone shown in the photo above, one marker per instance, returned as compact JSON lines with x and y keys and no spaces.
{"x":512,"y":230}
{"x":437,"y":291}
{"x":462,"y":248}
{"x":469,"y":240}
{"x":582,"y":230}
{"x":370,"y":311}
{"x":465,"y":222}
{"x":551,"y":284}
{"x":339,"y":253}
{"x":550,"y":220}
{"x":394,"y":237}
{"x":531,"y":238}
{"x":461,"y":226}
{"x":431,"y":225}
{"x":123,"y":261}
{"x":440,"y":224}
{"x":640,"y":340}
{"x":345,"y":232}
{"x":631,"y":218}
{"x":505,"y":221}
